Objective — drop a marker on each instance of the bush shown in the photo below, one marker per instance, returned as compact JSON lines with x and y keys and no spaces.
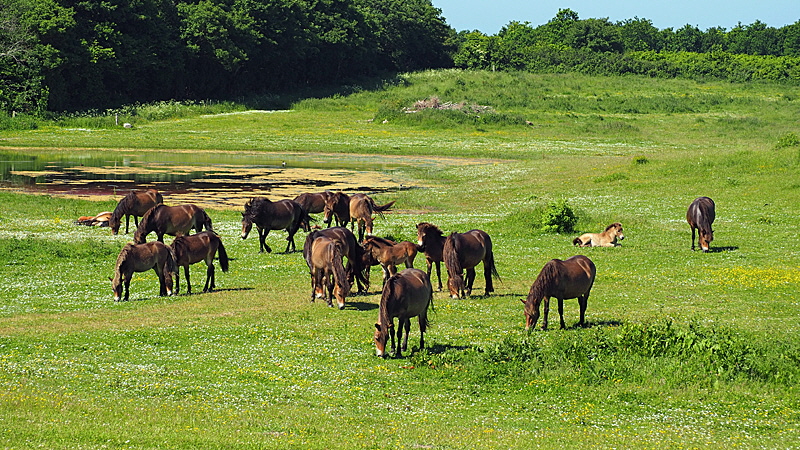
{"x":558,"y":217}
{"x":788,"y":140}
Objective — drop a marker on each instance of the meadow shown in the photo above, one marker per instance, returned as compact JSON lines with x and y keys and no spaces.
{"x":683,"y":349}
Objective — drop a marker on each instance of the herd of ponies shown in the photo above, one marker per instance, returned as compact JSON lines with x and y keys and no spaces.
{"x":406,"y":294}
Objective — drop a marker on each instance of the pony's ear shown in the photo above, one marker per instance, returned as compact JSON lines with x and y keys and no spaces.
{"x":523,"y":301}
{"x":378,"y":326}
{"x":110,"y":279}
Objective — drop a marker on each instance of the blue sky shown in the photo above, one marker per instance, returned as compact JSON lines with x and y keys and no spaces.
{"x":489,"y":16}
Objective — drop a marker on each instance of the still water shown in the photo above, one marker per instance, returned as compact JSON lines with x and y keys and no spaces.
{"x":210,"y":179}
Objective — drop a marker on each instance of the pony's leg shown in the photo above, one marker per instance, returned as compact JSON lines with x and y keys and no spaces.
{"x":407,"y":326}
{"x":391,"y":335}
{"x":692,"y":237}
{"x":546,"y":312}
{"x":262,"y":239}
{"x":209,"y":279}
{"x":487,"y":275}
{"x":127,"y":222}
{"x":400,"y":347}
{"x":386,"y":273}
{"x":438,"y":273}
{"x":188,"y":283}
{"x":290,"y":243}
{"x":127,"y":283}
{"x":469,"y":280}
{"x":582,"y":302}
{"x":561,"y":312}
{"x":423,"y":319}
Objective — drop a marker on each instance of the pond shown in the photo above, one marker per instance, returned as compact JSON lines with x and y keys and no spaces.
{"x":223,"y":180}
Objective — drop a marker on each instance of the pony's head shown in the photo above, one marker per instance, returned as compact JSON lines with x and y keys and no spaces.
{"x":455,"y":283}
{"x":116,"y":286}
{"x":114,"y":223}
{"x":380,"y":338}
{"x":426,"y":231}
{"x":327,"y":211}
{"x":616,"y":230}
{"x":706,"y":236}
{"x":247,"y":223}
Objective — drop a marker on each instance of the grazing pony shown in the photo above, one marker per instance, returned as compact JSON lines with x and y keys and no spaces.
{"x":572,"y":278}
{"x":172,"y":220}
{"x":389,"y":254}
{"x":313,"y":202}
{"x":607,"y":238}
{"x":700,"y":216}
{"x":464,"y":251}
{"x":136,"y":204}
{"x":141,"y":258}
{"x":405,"y":295}
{"x":268,"y":215}
{"x":350,"y":249}
{"x":198,"y":247}
{"x":337,"y":206}
{"x":362,"y":207}
{"x":328,"y":277}
{"x":431,"y":242}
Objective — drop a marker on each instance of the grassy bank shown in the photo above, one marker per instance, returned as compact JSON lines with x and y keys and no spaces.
{"x":684,"y":349}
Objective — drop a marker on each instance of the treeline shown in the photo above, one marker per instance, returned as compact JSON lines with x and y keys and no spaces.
{"x":68,"y":55}
{"x":88,"y":54}
{"x":635,"y":46}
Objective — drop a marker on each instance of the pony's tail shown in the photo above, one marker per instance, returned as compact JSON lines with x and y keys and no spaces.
{"x":450,"y":255}
{"x":207,"y":221}
{"x":492,"y":266}
{"x":338,"y":269}
{"x":381,"y":208}
{"x":172,"y":264}
{"x":223,"y":256}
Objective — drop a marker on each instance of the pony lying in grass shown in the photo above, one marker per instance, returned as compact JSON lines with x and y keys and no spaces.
{"x":100,"y":220}
{"x":608,"y":238}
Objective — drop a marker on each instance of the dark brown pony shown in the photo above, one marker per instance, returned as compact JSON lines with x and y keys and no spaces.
{"x":136,"y":204}
{"x":198,"y":247}
{"x":431,"y":242}
{"x":607,"y":238}
{"x":313,"y":202}
{"x":362,"y":207}
{"x":172,"y":220}
{"x":572,"y":278}
{"x":268,"y":215}
{"x":405,"y":295}
{"x":337,"y":206}
{"x":141,"y":258}
{"x":700,"y":216}
{"x":464,"y":251}
{"x":328,"y":277}
{"x":389,"y":254}
{"x":350,"y":249}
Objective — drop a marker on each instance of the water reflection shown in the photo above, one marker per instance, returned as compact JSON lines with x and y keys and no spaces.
{"x":221,"y":180}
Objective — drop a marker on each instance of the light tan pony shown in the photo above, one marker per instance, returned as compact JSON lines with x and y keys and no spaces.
{"x":608,"y":238}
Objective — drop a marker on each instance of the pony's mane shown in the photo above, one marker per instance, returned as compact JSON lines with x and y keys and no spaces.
{"x":383,"y":310}
{"x":179,"y":245}
{"x":380,"y":240}
{"x":146,"y":217}
{"x":544,"y":281}
{"x":614,"y":225}
{"x":431,"y":228}
{"x":124,"y":205}
{"x":123,"y":255}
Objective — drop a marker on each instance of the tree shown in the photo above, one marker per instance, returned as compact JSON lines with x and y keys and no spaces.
{"x":639,"y":35}
{"x":596,"y":35}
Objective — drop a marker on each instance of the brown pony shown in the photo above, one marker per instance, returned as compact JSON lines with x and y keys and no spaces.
{"x":572,"y":278}
{"x":350,"y":249}
{"x":362,"y":207}
{"x":389,"y":254}
{"x":172,"y":220}
{"x":136,"y":204}
{"x":268,"y":215}
{"x":141,"y":258}
{"x":464,"y":251}
{"x":313,"y":202}
{"x":405,"y":295}
{"x":337,"y":206}
{"x":431,"y":242}
{"x":700,"y":216}
{"x":327,"y":272}
{"x":607,"y":238}
{"x":195,"y":248}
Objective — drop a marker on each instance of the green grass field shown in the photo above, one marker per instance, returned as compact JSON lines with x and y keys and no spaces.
{"x":684,"y":349}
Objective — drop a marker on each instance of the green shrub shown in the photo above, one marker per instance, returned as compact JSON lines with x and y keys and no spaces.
{"x":788,"y":140}
{"x":558,"y":217}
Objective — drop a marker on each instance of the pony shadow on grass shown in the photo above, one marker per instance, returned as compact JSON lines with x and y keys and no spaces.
{"x":722,"y":249}
{"x":361,"y":306}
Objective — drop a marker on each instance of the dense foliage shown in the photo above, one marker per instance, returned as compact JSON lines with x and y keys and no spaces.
{"x":75,"y":54}
{"x":634,"y":46}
